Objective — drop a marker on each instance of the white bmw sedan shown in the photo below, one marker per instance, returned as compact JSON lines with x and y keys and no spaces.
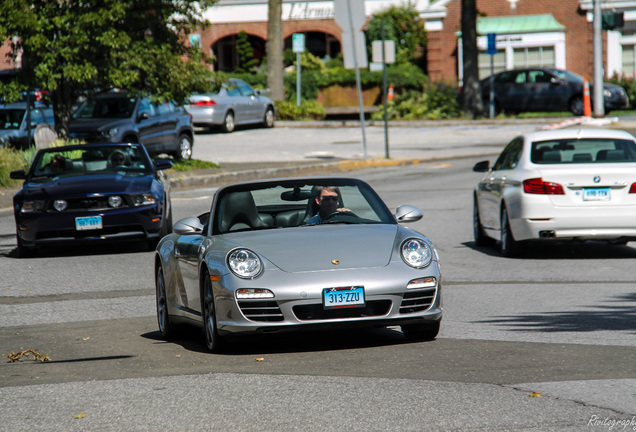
{"x":563,"y":185}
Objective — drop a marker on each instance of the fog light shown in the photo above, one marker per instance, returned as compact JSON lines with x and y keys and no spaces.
{"x":114,"y":201}
{"x":253,"y":293}
{"x":427,"y":282}
{"x":60,"y":205}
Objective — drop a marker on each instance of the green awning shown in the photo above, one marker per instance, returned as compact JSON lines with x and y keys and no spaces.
{"x":518,"y":24}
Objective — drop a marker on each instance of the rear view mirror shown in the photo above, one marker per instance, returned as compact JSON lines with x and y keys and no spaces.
{"x":483,"y":166}
{"x":188,"y":226}
{"x":408,"y":213}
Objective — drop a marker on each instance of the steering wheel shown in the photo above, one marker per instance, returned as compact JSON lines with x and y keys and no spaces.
{"x":335,"y":214}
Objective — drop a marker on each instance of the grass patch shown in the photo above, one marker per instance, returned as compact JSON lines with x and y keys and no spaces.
{"x":192,"y":164}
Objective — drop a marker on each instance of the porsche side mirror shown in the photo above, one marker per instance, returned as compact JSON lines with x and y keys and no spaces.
{"x":408,"y":213}
{"x":483,"y":166}
{"x":188,"y":226}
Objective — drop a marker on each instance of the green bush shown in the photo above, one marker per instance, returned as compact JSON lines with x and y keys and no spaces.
{"x":308,"y":110}
{"x":629,"y":84}
{"x":436,"y":101}
{"x":11,"y":160}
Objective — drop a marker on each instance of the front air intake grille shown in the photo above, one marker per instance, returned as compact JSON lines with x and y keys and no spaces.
{"x":261,"y":310}
{"x":417,"y":301}
{"x":318,"y":312}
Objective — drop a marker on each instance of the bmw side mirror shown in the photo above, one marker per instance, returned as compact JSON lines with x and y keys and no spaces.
{"x":408,"y":213}
{"x":188,"y":226}
{"x":18,"y":175}
{"x":483,"y":166}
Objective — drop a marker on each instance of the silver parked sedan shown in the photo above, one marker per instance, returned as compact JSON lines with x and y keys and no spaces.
{"x":563,"y":185}
{"x":293,"y":254}
{"x":236,"y":103}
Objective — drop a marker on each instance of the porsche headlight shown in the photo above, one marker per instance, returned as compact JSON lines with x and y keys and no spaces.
{"x":244,"y":263}
{"x":145,"y":199}
{"x":416,"y":253}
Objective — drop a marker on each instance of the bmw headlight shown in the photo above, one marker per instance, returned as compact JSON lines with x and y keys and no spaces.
{"x":244,"y":263}
{"x":145,"y":199}
{"x":416,"y":253}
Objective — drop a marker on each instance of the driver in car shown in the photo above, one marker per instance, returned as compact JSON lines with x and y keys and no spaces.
{"x":328,"y":201}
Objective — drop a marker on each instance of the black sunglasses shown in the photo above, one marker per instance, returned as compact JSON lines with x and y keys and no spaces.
{"x":329,"y":198}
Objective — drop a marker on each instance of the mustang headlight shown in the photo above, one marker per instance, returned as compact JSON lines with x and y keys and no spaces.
{"x":115,"y":201}
{"x":416,"y":253}
{"x":32,"y":206}
{"x":60,"y":205}
{"x":244,"y":263}
{"x":145,"y":199}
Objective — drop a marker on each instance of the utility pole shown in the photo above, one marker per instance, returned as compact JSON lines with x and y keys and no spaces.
{"x":599,"y":105}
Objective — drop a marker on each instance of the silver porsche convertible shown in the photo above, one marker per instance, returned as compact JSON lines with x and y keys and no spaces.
{"x":297,"y":254}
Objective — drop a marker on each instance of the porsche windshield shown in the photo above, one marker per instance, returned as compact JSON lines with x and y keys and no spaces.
{"x":70,"y":161}
{"x":285,"y":204}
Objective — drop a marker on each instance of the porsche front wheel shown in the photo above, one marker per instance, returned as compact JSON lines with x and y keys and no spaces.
{"x":213,"y":341}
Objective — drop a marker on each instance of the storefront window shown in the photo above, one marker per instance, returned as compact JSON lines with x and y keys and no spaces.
{"x":499,"y":63}
{"x":628,"y":60}
{"x":534,"y":57}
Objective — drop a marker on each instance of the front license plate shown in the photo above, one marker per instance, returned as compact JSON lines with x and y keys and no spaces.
{"x":596,"y":194}
{"x":343,"y":297}
{"x":88,"y":223}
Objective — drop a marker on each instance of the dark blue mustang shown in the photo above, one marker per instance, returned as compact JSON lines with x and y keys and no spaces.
{"x":92,"y":192}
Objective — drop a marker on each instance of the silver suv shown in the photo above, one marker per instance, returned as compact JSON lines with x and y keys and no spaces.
{"x":120,"y":117}
{"x":14,"y":130}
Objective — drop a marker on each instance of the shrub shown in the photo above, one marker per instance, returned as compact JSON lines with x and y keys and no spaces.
{"x":437,"y":101}
{"x":10,"y":160}
{"x":308,"y":110}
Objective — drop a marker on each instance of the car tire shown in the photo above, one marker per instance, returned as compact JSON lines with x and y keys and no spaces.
{"x":270,"y":118}
{"x":184,"y":148}
{"x":421,"y":332}
{"x":228,"y":125}
{"x":163,"y":317}
{"x":213,"y":341}
{"x":23,"y":251}
{"x":576,"y":105}
{"x":509,"y":247}
{"x":481,"y":239}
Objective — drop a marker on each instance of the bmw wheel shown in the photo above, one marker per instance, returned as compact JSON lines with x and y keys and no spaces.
{"x":421,"y":332}
{"x":228,"y":124}
{"x":163,"y":318}
{"x":184,"y":151}
{"x":576,"y":106}
{"x":509,"y":246}
{"x":213,"y":341}
{"x":268,"y":120}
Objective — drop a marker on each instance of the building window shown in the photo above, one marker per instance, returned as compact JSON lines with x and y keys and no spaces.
{"x":534,"y":57}
{"x":499,"y":63}
{"x":628,"y":60}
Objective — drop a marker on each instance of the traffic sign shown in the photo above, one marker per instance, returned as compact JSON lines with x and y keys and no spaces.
{"x":298,"y":42}
{"x":492,"y":44}
{"x":349,"y":14}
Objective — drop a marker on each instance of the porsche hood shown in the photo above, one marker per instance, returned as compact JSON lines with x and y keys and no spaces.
{"x":324,"y":247}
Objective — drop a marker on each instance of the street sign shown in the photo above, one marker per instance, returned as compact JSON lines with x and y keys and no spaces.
{"x":298,"y":42}
{"x":492,"y":44}
{"x":360,"y":50}
{"x":389,"y":51}
{"x":349,"y":14}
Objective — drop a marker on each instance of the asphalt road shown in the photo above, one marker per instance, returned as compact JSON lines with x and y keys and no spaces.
{"x":558,"y":323}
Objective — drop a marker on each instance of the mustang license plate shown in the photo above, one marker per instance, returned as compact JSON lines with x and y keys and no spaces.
{"x":343,"y":297}
{"x":88,"y":223}
{"x":596,"y":194}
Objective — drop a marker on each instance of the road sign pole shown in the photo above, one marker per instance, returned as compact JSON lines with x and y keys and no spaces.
{"x":358,"y":85}
{"x":297,"y":79}
{"x":384,"y":85}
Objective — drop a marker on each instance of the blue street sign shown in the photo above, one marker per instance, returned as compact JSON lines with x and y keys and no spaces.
{"x":492,"y":44}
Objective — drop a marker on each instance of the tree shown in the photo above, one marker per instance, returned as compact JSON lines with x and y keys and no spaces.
{"x":471,"y":89}
{"x":275,"y":49}
{"x":246,"y":60}
{"x":73,"y":48}
{"x":402,"y":25}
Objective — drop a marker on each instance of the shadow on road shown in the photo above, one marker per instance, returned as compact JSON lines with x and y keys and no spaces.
{"x":191,"y":339}
{"x":548,"y":251}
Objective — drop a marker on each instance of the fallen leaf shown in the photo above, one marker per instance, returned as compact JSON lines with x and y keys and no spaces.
{"x":86,"y":338}
{"x":535,"y":394}
{"x":80,"y":416}
{"x":259,"y":359}
{"x":178,"y":356}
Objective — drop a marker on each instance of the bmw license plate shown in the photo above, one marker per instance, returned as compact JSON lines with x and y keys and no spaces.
{"x":596,"y":194}
{"x":343,"y":297}
{"x":88,"y":223}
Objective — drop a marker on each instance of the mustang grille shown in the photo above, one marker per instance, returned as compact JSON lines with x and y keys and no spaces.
{"x":417,"y":301}
{"x":318,"y":312}
{"x":261,"y":310}
{"x":97,"y":203}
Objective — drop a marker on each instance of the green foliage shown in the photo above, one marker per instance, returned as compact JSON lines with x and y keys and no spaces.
{"x":629,"y":84}
{"x":437,"y":101}
{"x":309,"y":85}
{"x":308,"y":110}
{"x":246,"y":60}
{"x":76,"y":48}
{"x":10,"y":160}
{"x":402,"y":25}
